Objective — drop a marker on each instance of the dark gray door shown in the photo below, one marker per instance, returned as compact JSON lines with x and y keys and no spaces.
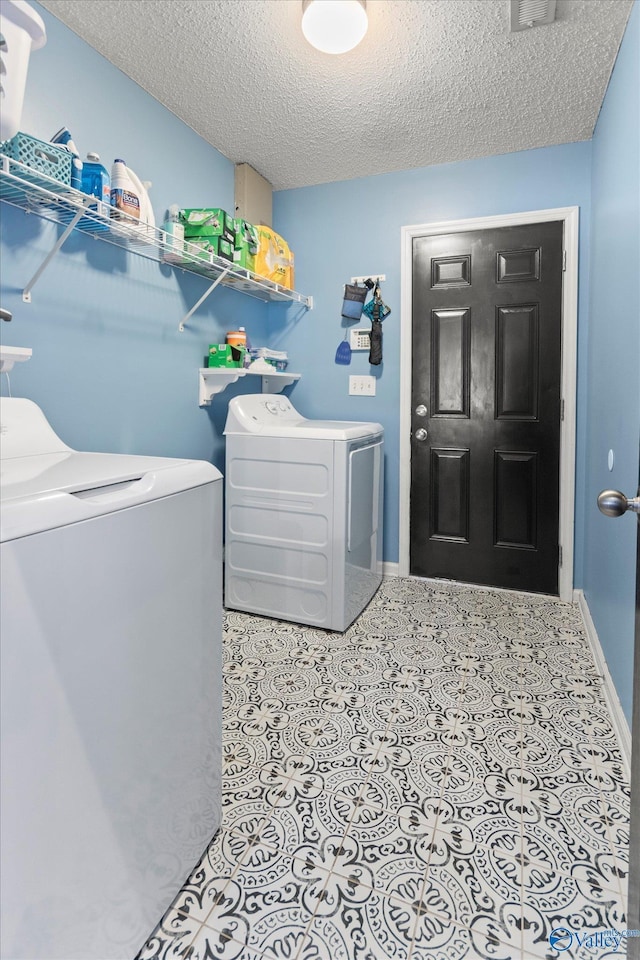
{"x":486,"y":375}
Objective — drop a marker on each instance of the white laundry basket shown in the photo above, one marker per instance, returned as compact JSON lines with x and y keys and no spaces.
{"x":21,"y":31}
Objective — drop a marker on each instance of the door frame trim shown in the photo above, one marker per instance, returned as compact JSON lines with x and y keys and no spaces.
{"x":570,"y":219}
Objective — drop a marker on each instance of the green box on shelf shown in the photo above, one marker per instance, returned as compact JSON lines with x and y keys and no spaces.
{"x":244,"y":259}
{"x":246,"y":235}
{"x":245,"y":245}
{"x":223,"y":355}
{"x":225,"y":249}
{"x":207,"y":222}
{"x":203,"y":247}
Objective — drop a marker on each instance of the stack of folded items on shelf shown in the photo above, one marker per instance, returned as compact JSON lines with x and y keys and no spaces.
{"x":275,"y":358}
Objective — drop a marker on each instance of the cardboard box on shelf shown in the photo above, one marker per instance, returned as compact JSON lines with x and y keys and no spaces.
{"x":203,"y":247}
{"x":246,"y":234}
{"x":246,"y":244}
{"x":291,"y":278}
{"x":207,"y":222}
{"x":225,"y":249}
{"x":274,"y":260}
{"x":225,"y":355}
{"x":243,"y":259}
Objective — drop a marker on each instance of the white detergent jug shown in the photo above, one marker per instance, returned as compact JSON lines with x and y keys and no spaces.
{"x":130,"y":204}
{"x":146,"y":231}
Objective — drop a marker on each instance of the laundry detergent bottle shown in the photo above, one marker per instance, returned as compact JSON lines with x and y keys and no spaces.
{"x":95,"y":178}
{"x":147,"y":218}
{"x":125,"y":201}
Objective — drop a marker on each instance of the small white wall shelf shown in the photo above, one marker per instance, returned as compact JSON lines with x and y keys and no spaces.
{"x":213,"y":380}
{"x":33,"y":192}
{"x":11,"y":355}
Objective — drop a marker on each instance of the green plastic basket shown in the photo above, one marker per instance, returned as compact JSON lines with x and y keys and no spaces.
{"x":41,"y":157}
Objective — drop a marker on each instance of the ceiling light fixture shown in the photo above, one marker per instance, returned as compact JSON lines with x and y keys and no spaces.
{"x":334,"y":26}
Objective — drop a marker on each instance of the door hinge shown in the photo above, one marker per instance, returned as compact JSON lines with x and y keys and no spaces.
{"x":562,"y":409}
{"x":564,"y":260}
{"x":559,"y":556}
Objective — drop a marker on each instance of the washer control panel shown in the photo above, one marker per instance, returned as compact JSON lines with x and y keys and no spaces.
{"x":280,"y":407}
{"x":251,"y":412}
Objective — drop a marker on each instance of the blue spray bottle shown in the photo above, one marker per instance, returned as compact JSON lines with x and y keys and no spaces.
{"x":95,"y":178}
{"x":63,"y":137}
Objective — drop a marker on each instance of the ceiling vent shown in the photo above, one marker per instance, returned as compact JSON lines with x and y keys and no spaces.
{"x":531,"y":13}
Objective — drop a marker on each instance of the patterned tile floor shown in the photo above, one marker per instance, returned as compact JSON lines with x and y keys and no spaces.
{"x":441,"y":781}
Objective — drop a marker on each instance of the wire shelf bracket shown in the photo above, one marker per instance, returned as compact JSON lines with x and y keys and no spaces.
{"x":202,"y":299}
{"x":26,"y":293}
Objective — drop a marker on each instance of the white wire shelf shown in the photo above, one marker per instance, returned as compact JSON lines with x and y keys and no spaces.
{"x":33,"y":192}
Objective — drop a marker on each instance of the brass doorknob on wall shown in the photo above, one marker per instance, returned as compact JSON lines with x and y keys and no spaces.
{"x":613,"y":503}
{"x":420,"y":434}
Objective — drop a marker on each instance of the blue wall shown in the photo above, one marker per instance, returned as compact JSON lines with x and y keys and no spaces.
{"x":613,"y":362}
{"x":352,"y":228}
{"x":109,"y":367}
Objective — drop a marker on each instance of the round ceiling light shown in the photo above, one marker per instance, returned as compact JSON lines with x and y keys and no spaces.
{"x":334,"y":26}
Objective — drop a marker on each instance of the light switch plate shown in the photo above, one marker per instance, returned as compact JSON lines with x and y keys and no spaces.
{"x":360,"y":339}
{"x":362,"y":386}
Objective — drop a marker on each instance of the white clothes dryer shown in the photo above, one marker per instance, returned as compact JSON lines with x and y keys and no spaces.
{"x":111,"y":702}
{"x":303,"y":513}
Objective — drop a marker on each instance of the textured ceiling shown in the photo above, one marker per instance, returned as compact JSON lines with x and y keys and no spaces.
{"x":433,"y":80}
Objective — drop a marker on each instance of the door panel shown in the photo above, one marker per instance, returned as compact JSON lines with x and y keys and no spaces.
{"x":486,"y":364}
{"x":515,"y":499}
{"x":450,"y":363}
{"x":514,"y":266}
{"x":517,"y":362}
{"x":449,"y":494}
{"x":450,"y":271}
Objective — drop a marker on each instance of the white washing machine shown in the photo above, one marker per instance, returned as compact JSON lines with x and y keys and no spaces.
{"x":303,"y":513}
{"x":111,"y":688}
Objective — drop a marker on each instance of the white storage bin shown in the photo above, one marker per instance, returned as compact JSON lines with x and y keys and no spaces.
{"x":22,"y":30}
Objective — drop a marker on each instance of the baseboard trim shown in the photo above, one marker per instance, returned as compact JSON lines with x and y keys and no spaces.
{"x":620,"y":724}
{"x":390,"y":569}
